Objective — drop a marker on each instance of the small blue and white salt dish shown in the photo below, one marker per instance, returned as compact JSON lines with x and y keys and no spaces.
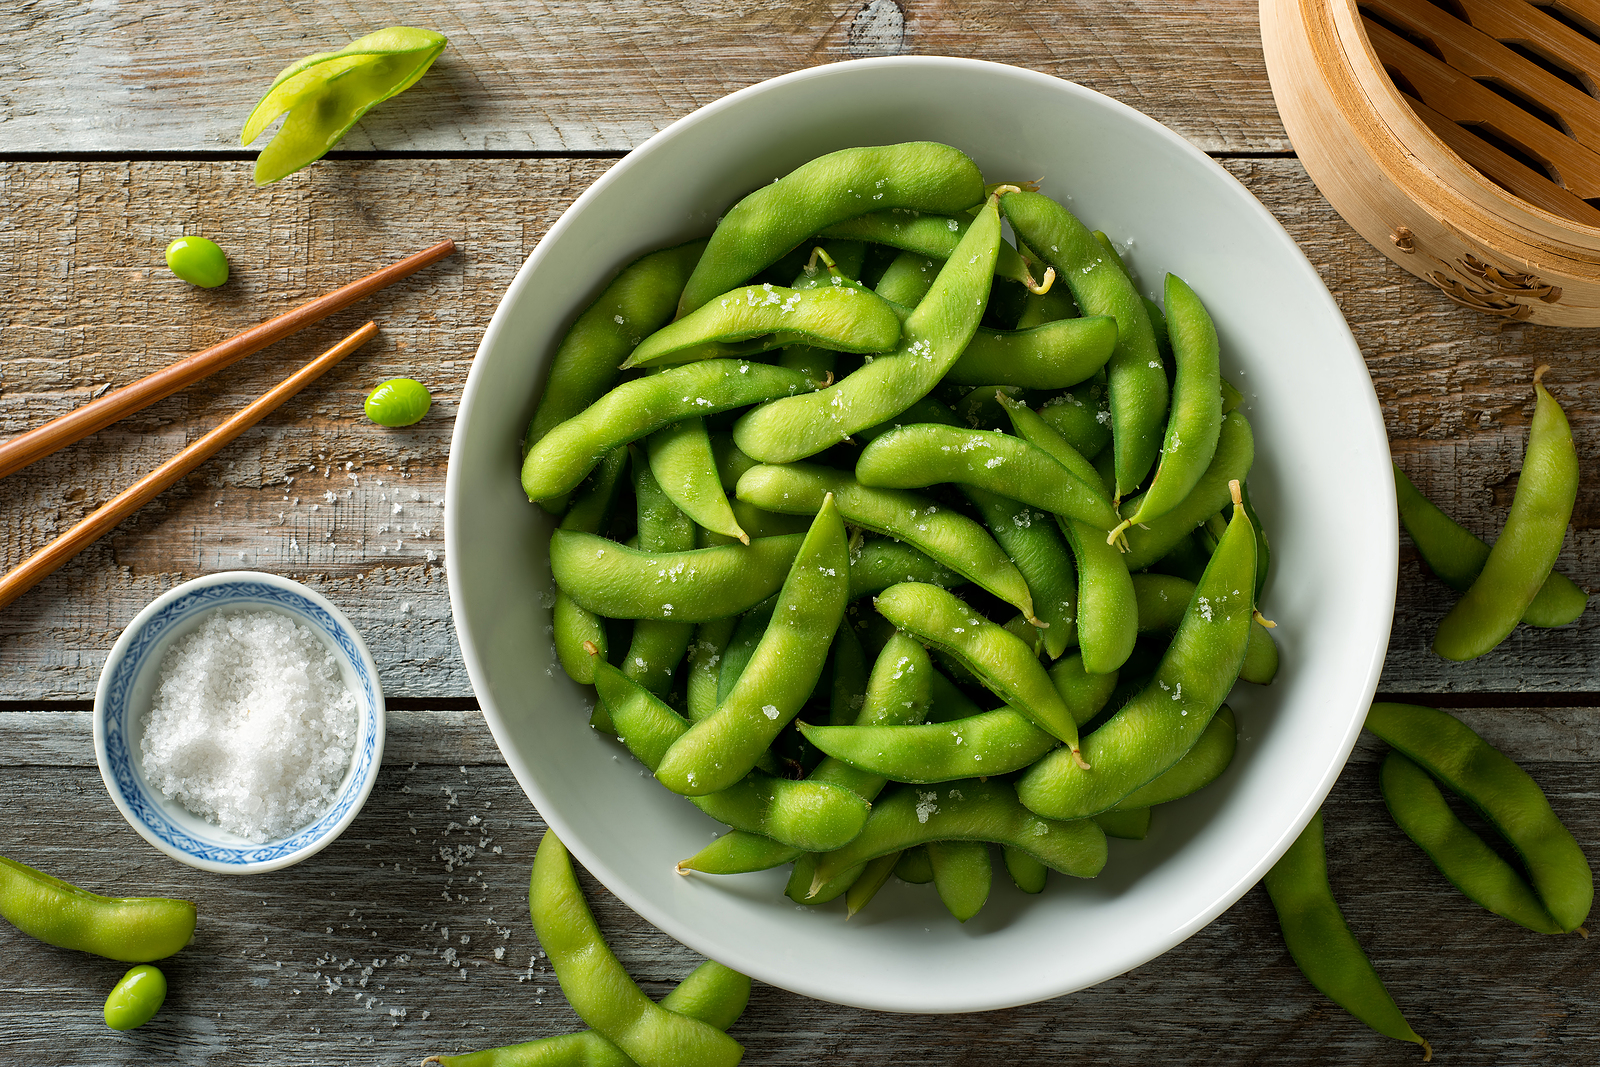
{"x":239,"y":723}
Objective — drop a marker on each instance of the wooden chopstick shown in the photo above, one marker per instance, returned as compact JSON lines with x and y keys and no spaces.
{"x":52,"y":556}
{"x":39,"y":442}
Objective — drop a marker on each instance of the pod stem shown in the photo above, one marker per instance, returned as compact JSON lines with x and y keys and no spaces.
{"x":1039,"y":288}
{"x":1115,"y":537}
{"x":1077,"y":757}
{"x":1263,"y":620}
{"x":1539,"y":373}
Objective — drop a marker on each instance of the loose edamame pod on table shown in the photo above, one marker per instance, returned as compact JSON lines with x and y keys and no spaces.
{"x":1522,"y":557}
{"x":1137,"y":381}
{"x":721,"y":748}
{"x":712,"y":993}
{"x":1321,"y":943}
{"x":757,"y":231}
{"x":1457,"y":557}
{"x":1154,"y":730}
{"x":136,"y":998}
{"x":597,"y":986}
{"x":327,"y":93}
{"x":931,"y":340}
{"x":128,"y":929}
{"x":1503,"y":793}
{"x":1419,"y":808}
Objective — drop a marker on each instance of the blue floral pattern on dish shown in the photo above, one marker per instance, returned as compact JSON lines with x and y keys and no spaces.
{"x":146,"y":805}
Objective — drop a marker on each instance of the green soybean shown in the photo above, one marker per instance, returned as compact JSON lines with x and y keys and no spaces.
{"x":1521,"y":559}
{"x":944,"y":534}
{"x":1503,"y":793}
{"x":1136,"y":378}
{"x":128,"y":929}
{"x":136,"y":998}
{"x":597,"y":986}
{"x":1154,"y":730}
{"x":1457,"y":556}
{"x":618,"y":582}
{"x":560,"y":459}
{"x":757,"y":231}
{"x":1419,"y":808}
{"x":913,"y":457}
{"x":1000,"y":660}
{"x":841,"y":318}
{"x":639,"y":301}
{"x":398,"y":402}
{"x":1321,"y":942}
{"x":198,"y":261}
{"x":721,"y":748}
{"x":931,"y":340}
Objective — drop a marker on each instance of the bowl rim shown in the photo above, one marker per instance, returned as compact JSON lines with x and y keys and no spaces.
{"x":1387,"y":568}
{"x":366,"y":761}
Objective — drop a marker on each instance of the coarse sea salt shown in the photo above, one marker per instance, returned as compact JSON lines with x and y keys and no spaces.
{"x":251,"y":726}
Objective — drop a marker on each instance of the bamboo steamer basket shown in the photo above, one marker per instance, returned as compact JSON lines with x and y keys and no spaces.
{"x":1398,"y":182}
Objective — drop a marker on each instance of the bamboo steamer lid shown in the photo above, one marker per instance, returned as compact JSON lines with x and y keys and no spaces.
{"x":1527,"y":255}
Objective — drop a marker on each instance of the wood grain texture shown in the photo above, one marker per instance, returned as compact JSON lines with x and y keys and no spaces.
{"x":561,"y":76}
{"x":91,"y":306}
{"x":383,"y":947}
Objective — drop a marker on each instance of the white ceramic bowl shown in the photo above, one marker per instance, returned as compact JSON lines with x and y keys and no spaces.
{"x":1321,"y":483}
{"x":128,"y":684}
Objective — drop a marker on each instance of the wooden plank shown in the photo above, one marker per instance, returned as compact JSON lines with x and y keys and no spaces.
{"x":424,"y":897}
{"x":562,"y":77}
{"x":91,"y":305}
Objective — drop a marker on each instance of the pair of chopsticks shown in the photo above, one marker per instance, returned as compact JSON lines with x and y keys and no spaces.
{"x":37,"y":443}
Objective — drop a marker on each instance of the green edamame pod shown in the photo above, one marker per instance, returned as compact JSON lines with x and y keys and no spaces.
{"x":731,"y":462}
{"x":1082,"y":416}
{"x":618,"y":582}
{"x":1196,"y":418}
{"x":925,"y":410}
{"x":1034,"y":544}
{"x":908,"y":816}
{"x":841,"y":318}
{"x":913,"y":865}
{"x":945,"y":535}
{"x":705,"y":656}
{"x":1321,"y":942}
{"x":1263,"y":549}
{"x":981,"y":410}
{"x":1001,"y":661}
{"x":850,"y":677}
{"x":1503,"y":793}
{"x":721,"y":748}
{"x":1231,"y":397}
{"x":127,"y":929}
{"x":1522,"y":557}
{"x":879,"y":562}
{"x":1198,"y":768}
{"x":1027,"y":873}
{"x":1136,"y":379}
{"x":1129,"y":824}
{"x":758,"y":230}
{"x":807,"y":815}
{"x":873,"y":877}
{"x":742,"y":645}
{"x":1419,"y":808}
{"x":638,"y":408}
{"x":1055,"y":355}
{"x":962,"y":874}
{"x":740,"y":852}
{"x":907,"y":279}
{"x":572,"y":627}
{"x":1108,"y":613}
{"x":658,"y":645}
{"x":327,"y":93}
{"x":949,"y":702}
{"x":1457,"y":556}
{"x":1235,"y":452}
{"x":681,"y":459}
{"x":1154,"y":730}
{"x":930,"y":235}
{"x":638,"y":302}
{"x":924,"y":454}
{"x":1039,"y":433}
{"x":931,"y":340}
{"x":991,"y":742}
{"x":1161,"y":600}
{"x":597,"y":986}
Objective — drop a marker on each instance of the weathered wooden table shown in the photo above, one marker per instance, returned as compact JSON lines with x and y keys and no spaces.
{"x":410,"y":935}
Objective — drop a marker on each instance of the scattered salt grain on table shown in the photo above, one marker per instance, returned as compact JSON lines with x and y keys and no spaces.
{"x":251,"y":726}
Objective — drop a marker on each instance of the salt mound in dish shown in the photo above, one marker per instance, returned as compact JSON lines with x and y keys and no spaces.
{"x":251,"y":727}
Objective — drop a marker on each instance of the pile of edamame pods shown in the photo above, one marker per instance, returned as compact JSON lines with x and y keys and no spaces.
{"x":925,"y":551}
